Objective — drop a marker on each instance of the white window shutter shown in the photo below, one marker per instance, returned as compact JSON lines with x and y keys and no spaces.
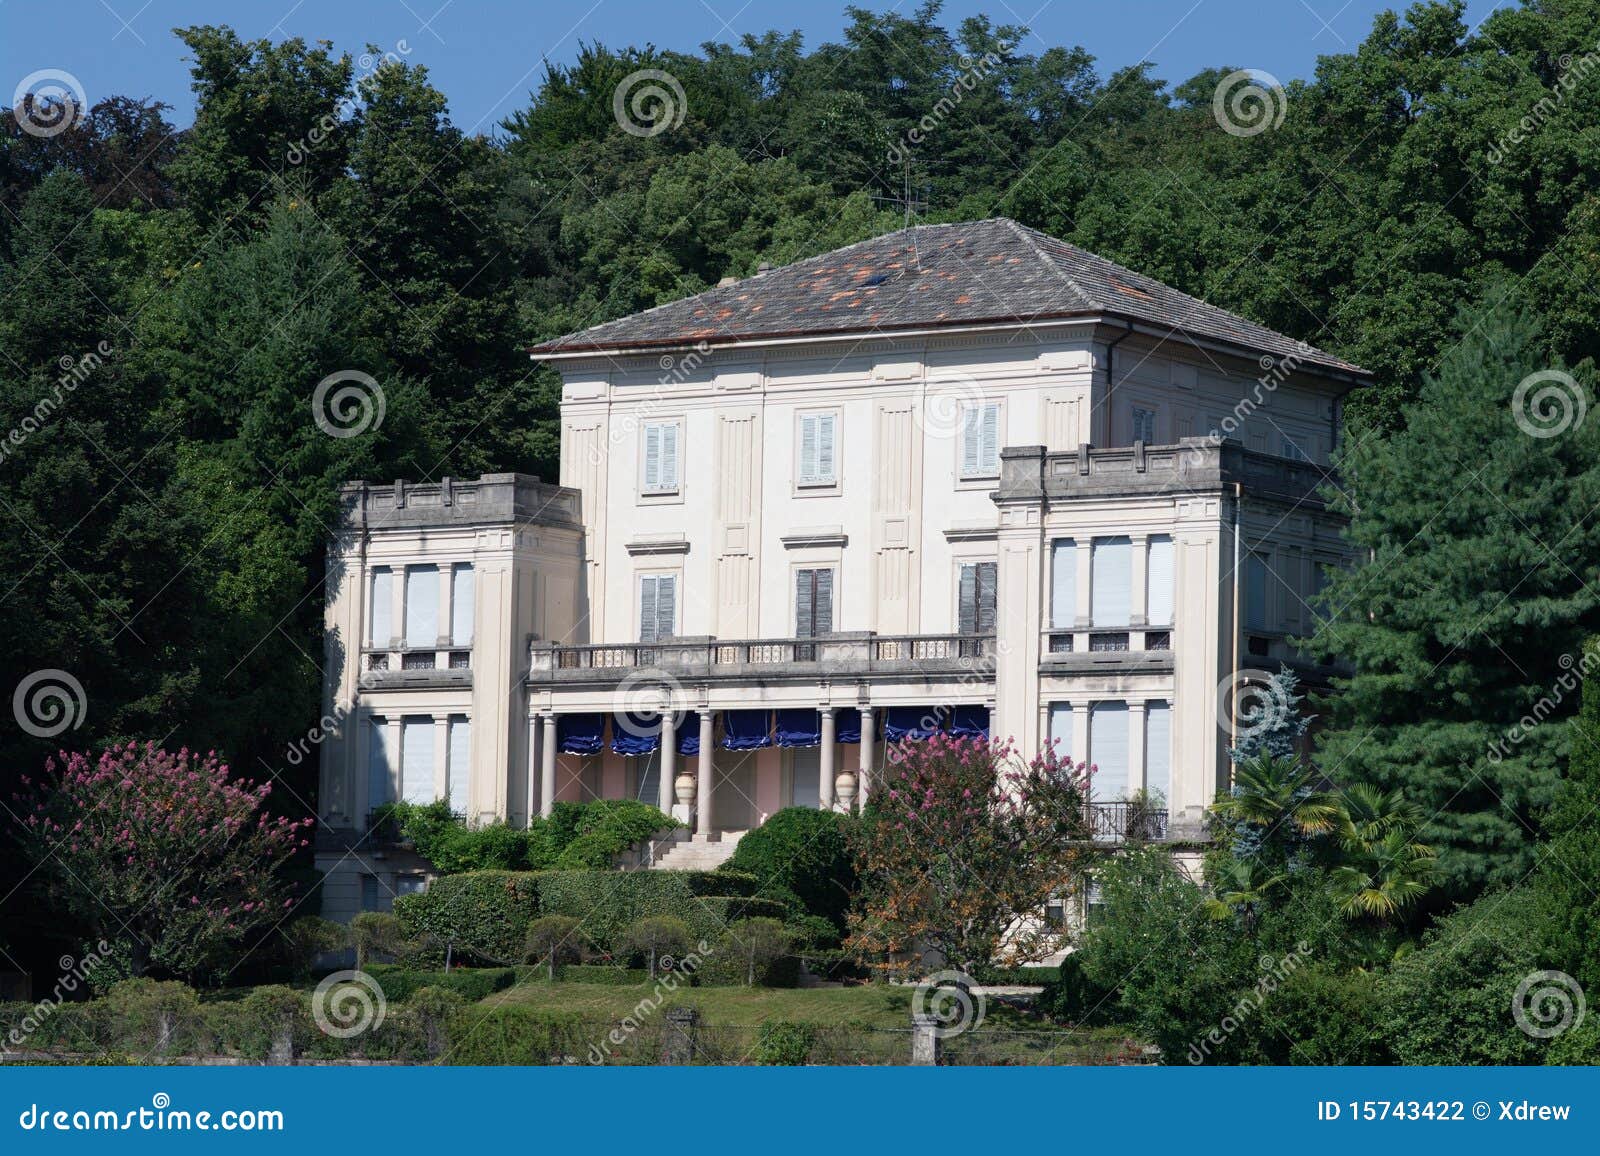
{"x":971,"y":441}
{"x":666,"y":606}
{"x":669,"y":457}
{"x":1063,"y":584}
{"x":416,"y":760}
{"x":647,"y":609}
{"x":652,"y":457}
{"x":1108,"y":750}
{"x":382,"y":616}
{"x":1158,"y":749}
{"x":1158,"y":590}
{"x":1112,"y":573}
{"x":808,"y":448}
{"x":990,"y":463}
{"x":422,"y":606}
{"x":461,"y":605}
{"x":825,"y":432}
{"x":460,"y":761}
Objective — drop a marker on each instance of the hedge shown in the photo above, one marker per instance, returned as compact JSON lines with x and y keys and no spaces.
{"x":471,"y":984}
{"x":603,"y":974}
{"x":801,"y":855}
{"x":575,"y":836}
{"x":485,"y":913}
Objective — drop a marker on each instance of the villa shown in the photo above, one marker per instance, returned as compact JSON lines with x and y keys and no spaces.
{"x":962,"y":477}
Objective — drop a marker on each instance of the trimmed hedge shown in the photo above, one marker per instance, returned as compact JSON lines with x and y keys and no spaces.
{"x":575,"y":836}
{"x":471,"y":984}
{"x":801,"y":855}
{"x":602,"y":974}
{"x":485,"y":913}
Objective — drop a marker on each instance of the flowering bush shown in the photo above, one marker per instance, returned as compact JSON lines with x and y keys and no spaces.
{"x":962,"y":848}
{"x":164,"y":851}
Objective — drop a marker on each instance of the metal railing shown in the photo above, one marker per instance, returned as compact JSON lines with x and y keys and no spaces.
{"x":1127,"y":821}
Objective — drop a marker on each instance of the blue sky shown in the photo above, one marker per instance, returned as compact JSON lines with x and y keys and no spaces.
{"x":485,"y":55}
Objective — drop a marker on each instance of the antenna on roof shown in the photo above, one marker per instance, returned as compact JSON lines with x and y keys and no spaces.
{"x":910,"y":201}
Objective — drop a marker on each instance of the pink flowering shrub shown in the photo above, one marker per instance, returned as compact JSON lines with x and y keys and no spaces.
{"x":164,"y":851}
{"x":962,"y":846}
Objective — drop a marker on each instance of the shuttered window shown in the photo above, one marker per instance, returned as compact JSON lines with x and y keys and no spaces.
{"x":416,"y":760}
{"x":805,"y":777}
{"x":1061,"y":730}
{"x":647,"y":777}
{"x":817,"y":440}
{"x":976,"y":611}
{"x":1158,"y":749}
{"x":1063,"y":583}
{"x":382,"y":616}
{"x":1108,"y":750}
{"x":661,"y":457}
{"x":813,"y":603}
{"x":422,"y":606}
{"x":658,"y":607}
{"x":980,"y":440}
{"x":1112,"y":571}
{"x":1255,"y":592}
{"x":460,"y":762}
{"x":1143,"y":424}
{"x":378,"y":755}
{"x":1158,"y":588}
{"x":461,"y":605}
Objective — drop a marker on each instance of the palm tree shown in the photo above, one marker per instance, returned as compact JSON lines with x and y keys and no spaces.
{"x":1280,"y":796}
{"x":1382,"y":869}
{"x":1242,"y":885}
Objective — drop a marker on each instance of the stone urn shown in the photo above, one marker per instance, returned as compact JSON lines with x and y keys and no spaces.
{"x":683,"y":787}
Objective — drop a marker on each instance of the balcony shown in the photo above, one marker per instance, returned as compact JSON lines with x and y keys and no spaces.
{"x":385,"y":668}
{"x":862,"y":653}
{"x":1127,"y":821}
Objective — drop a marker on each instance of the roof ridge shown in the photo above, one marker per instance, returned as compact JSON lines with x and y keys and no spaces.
{"x":1027,"y":236}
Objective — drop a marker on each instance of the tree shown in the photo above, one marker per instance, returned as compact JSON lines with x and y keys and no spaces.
{"x":802,"y":853}
{"x":1460,"y":616}
{"x":961,"y":849}
{"x":1276,"y":803}
{"x":165,"y":850}
{"x":310,"y":936}
{"x":554,"y":939}
{"x":655,"y":937}
{"x":1382,"y":869}
{"x":757,"y":944}
{"x":376,"y":933}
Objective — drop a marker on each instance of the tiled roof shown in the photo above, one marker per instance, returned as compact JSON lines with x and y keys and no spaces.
{"x":978,"y":272}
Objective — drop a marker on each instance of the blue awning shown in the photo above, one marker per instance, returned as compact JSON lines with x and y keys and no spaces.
{"x":912,"y":722}
{"x":746,"y":730}
{"x":799,"y":728}
{"x":580,"y":734}
{"x":689,"y":734}
{"x":635,"y":734}
{"x":848,"y":726}
{"x":969,"y":722}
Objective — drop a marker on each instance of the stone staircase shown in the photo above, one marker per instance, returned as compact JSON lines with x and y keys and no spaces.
{"x":689,"y":853}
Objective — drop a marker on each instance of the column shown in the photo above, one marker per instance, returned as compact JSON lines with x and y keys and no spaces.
{"x":441,"y":756}
{"x":530,"y":787}
{"x":669,"y":760}
{"x":829,"y":731}
{"x":1080,"y":732}
{"x":702,"y":804}
{"x":397,"y":606}
{"x":1136,"y":781}
{"x":1139,"y":580}
{"x":867,"y":769}
{"x":547,"y":767}
{"x":1085,"y":583}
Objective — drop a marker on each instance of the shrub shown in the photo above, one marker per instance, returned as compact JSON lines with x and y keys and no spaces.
{"x":1074,"y":999}
{"x":575,"y":836}
{"x":609,"y":902}
{"x":436,"y":1011}
{"x":652,"y":938}
{"x":253,"y":1026}
{"x":803,"y":853}
{"x":157,"y":1016}
{"x":554,"y":940}
{"x":813,"y":932}
{"x":376,"y":933}
{"x":759,"y":952}
{"x":1320,"y":1016}
{"x":783,"y":1042}
{"x":311,"y":936}
{"x":472,"y":984}
{"x":510,"y":1034}
{"x":606,"y":828}
{"x":483,"y":913}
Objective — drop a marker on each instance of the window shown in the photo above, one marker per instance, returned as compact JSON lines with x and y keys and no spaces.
{"x":461,"y":604}
{"x":805,"y":777}
{"x":1063,"y":583}
{"x":658,"y":607}
{"x":1061,"y":730}
{"x":1292,"y":450}
{"x":422,"y":606}
{"x":1158,"y":581}
{"x":1255,"y":591}
{"x":382,"y":616}
{"x":817,"y":441}
{"x":378,"y":755}
{"x":1112,"y":581}
{"x":1158,"y":748}
{"x":416,"y":760}
{"x":813,"y":603}
{"x":975,"y":614}
{"x":1108,"y":750}
{"x":646,"y":772}
{"x":661,"y":457}
{"x":980,"y":440}
{"x":371,"y":898}
{"x":1143,"y":425}
{"x":460,"y":765}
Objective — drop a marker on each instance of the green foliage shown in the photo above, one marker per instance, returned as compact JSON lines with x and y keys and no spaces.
{"x":1323,"y":1016}
{"x":653,"y":938}
{"x":801,"y":852}
{"x":377,"y":933}
{"x":554,"y":940}
{"x":577,"y":836}
{"x":609,"y":902}
{"x":754,"y":951}
{"x":310,"y":936}
{"x":470,"y":984}
{"x":483,"y":913}
{"x":785,"y":1043}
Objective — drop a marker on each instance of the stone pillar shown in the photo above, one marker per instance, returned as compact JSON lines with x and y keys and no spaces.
{"x":669,"y":760}
{"x":441,"y":756}
{"x":530,"y":787}
{"x":1136,"y":779}
{"x":547,"y":767}
{"x":1139,"y":583}
{"x":702,"y":806}
{"x":829,"y":752}
{"x":1022,"y":554}
{"x":865,"y":782}
{"x":678,"y":1041}
{"x":925,"y":1040}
